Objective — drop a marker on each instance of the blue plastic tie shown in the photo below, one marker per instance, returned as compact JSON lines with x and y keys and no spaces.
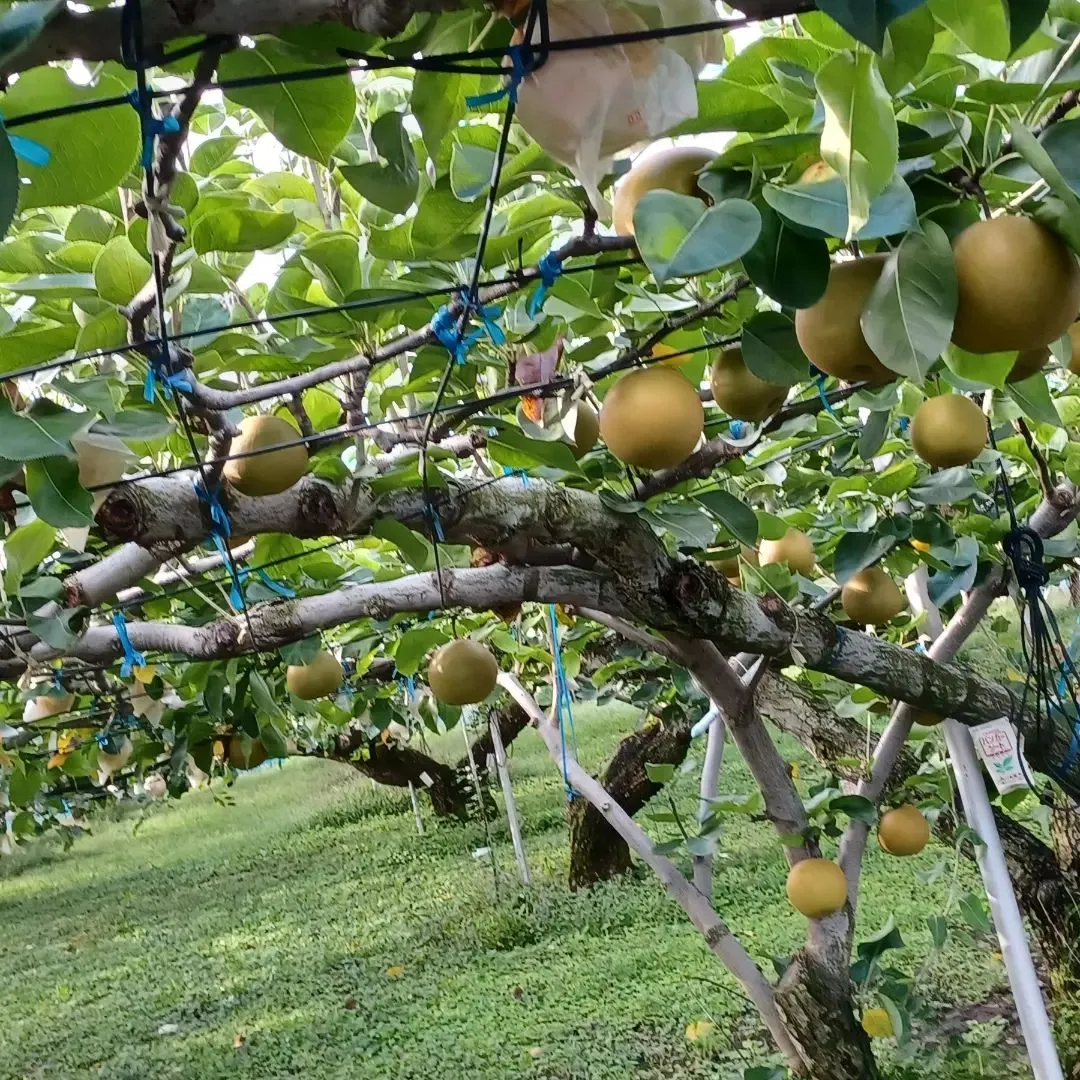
{"x":737,"y":428}
{"x":220,"y":531}
{"x":58,"y":679}
{"x":409,"y":685}
{"x":277,"y":587}
{"x":550,"y":268}
{"x":436,"y":525}
{"x":904,"y":423}
{"x":159,"y":378}
{"x":152,"y":125}
{"x":819,"y":382}
{"x":453,"y":340}
{"x":132,"y":657}
{"x":521,"y":64}
{"x":563,"y":701}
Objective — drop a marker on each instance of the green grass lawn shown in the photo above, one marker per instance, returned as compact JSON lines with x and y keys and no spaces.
{"x":308,"y":931}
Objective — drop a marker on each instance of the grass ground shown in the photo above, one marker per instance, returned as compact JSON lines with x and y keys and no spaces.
{"x":308,"y":931}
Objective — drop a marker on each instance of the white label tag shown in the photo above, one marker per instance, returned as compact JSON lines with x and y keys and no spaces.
{"x":996,"y":745}
{"x":427,"y":781}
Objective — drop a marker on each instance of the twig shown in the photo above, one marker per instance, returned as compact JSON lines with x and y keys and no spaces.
{"x":1046,"y":481}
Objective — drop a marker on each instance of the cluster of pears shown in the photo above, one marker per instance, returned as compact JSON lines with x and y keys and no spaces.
{"x":272,"y":471}
{"x":1018,"y":291}
{"x":817,"y":888}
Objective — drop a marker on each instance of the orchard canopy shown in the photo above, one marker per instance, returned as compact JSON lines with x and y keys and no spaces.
{"x":285,"y":375}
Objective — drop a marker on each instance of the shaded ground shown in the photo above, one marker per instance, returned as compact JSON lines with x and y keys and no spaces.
{"x":307,"y":931}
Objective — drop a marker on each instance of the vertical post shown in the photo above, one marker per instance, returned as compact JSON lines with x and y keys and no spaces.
{"x":1015,"y":950}
{"x":710,"y":778}
{"x":503,"y":770}
{"x":416,"y":809}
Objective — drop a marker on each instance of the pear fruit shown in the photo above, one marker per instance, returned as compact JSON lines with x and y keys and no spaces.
{"x":586,"y":429}
{"x":271,"y":472}
{"x":323,"y":676}
{"x":817,"y":888}
{"x":948,"y":430}
{"x":739,"y":392}
{"x":1018,"y":285}
{"x":871,"y":596}
{"x":903,"y":831}
{"x":246,"y":753}
{"x":1028,"y":363}
{"x":675,"y":169}
{"x":732,"y":568}
{"x":652,"y":418}
{"x":794,"y":550}
{"x":830,"y":333}
{"x":462,"y":672}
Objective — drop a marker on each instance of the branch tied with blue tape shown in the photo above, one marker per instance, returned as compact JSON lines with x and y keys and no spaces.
{"x":522,"y":59}
{"x":550,"y":269}
{"x":450,"y":332}
{"x":33,"y":153}
{"x":220,"y":532}
{"x":152,"y":124}
{"x":132,"y":657}
{"x":161,"y":379}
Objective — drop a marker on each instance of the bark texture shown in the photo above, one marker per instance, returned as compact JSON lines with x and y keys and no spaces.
{"x":597,"y":852}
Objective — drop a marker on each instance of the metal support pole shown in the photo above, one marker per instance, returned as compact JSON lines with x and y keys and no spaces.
{"x":1004,"y":910}
{"x":503,"y":770}
{"x":416,"y":809}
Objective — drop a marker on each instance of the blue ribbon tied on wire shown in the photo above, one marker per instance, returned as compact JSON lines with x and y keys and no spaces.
{"x":521,"y":65}
{"x":132,"y":657}
{"x":550,"y":268}
{"x":563,"y":699}
{"x":819,"y":382}
{"x":220,"y":531}
{"x":160,"y":379}
{"x":445,"y":326}
{"x":152,"y":126}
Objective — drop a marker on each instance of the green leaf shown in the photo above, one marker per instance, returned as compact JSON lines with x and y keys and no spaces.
{"x":1033,"y":396}
{"x":873,"y":433}
{"x":867,"y":20}
{"x":1036,"y":155}
{"x":982,"y":25}
{"x":470,"y":170}
{"x":772,"y":351}
{"x":414,"y":645}
{"x":908,"y":318}
{"x":858,"y":550}
{"x":238,"y":229}
{"x":789,"y":266}
{"x":859,"y":139}
{"x":56,"y":494}
{"x":733,"y":514}
{"x":980,"y":369}
{"x":87,"y":158}
{"x":678,"y":236}
{"x":309,"y":117}
{"x":1061,"y":143}
{"x":823,"y":206}
{"x":938,"y":926}
{"x":44,"y":431}
{"x":724,"y":105}
{"x":514,"y":449}
{"x":392,"y":186}
{"x":412,"y":545}
{"x":24,"y":549}
{"x":660,"y":774}
{"x":857,"y":807}
{"x":974,"y":911}
{"x":9,"y":182}
{"x":24,"y":783}
{"x":120,"y":271}
{"x":908,"y":42}
{"x":945,"y":486}
{"x":263,"y":698}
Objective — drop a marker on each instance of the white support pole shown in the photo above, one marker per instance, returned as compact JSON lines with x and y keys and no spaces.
{"x":710,"y":778}
{"x":503,"y":770}
{"x":1015,"y":949}
{"x":416,"y":809}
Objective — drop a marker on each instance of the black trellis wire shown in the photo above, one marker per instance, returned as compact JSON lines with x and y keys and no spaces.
{"x":306,"y":314}
{"x":451,"y":63}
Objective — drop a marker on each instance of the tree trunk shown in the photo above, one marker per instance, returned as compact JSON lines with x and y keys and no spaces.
{"x":815,"y":1004}
{"x":597,"y":852}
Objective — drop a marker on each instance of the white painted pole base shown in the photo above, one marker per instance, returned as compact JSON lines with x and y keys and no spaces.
{"x":1004,"y":910}
{"x":511,"y":803}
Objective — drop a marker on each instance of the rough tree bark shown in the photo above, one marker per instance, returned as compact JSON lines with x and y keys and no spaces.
{"x":597,"y":852}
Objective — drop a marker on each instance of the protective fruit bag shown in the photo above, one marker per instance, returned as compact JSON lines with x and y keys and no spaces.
{"x":584,"y":105}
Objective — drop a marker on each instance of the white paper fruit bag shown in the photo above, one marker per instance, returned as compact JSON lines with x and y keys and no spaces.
{"x":585,"y":105}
